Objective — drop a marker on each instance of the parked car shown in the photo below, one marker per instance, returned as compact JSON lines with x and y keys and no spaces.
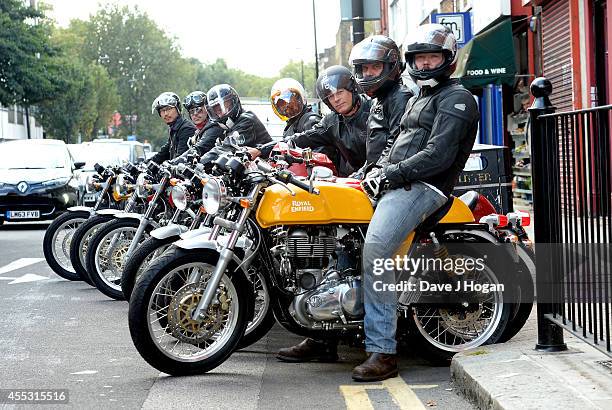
{"x":37,"y":180}
{"x":106,"y":152}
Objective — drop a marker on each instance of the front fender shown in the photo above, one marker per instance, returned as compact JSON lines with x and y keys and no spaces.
{"x":109,"y":212}
{"x":81,"y":209}
{"x":168,"y":231}
{"x":128,"y":215}
{"x":196,"y":232}
{"x":202,"y":242}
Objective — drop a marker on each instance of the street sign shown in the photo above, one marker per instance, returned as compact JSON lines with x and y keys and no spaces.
{"x":459,"y":23}
{"x":371,"y":10}
{"x":131,"y":137}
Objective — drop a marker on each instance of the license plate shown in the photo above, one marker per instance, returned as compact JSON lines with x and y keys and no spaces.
{"x":90,"y":198}
{"x":22,"y":214}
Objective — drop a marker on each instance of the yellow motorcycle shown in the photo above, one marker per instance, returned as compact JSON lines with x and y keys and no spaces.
{"x":189,"y":311}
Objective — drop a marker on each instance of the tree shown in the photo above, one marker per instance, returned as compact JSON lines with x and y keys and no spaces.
{"x":142,"y":61}
{"x":70,"y":112}
{"x":28,"y":63}
{"x":293,"y":69}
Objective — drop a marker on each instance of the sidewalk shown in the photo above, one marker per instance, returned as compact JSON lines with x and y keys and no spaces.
{"x":514,"y":376}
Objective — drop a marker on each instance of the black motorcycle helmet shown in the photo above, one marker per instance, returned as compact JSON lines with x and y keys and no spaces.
{"x":335,"y":78}
{"x":431,"y":38}
{"x":381,"y":49}
{"x":194,"y":99}
{"x":166,"y":99}
{"x":223,"y":105}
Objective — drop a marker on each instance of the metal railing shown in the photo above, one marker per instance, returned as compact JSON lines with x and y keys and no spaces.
{"x":572,"y":186}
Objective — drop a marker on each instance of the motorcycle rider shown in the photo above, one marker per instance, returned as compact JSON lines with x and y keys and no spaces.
{"x":225,"y":110}
{"x":413,"y":178}
{"x":207,"y":131}
{"x":378,"y":66}
{"x":288,"y":99}
{"x":168,"y":107}
{"x":345,"y":127}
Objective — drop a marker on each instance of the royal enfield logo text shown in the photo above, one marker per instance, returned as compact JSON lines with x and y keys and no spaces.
{"x":301,"y":206}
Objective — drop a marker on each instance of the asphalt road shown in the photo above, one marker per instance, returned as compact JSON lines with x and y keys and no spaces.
{"x":58,"y":334}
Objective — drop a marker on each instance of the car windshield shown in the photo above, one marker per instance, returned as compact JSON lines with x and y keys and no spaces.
{"x":17,"y":155}
{"x":103,"y":153}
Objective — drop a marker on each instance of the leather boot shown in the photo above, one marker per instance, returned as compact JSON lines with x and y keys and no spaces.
{"x":379,"y":366}
{"x":310,"y":350}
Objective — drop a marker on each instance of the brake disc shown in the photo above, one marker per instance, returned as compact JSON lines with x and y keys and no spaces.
{"x":184,"y":302}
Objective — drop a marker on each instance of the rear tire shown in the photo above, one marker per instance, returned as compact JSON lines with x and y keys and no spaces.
{"x":134,"y":268}
{"x":56,"y":243}
{"x":210,"y":343}
{"x":456,"y":322}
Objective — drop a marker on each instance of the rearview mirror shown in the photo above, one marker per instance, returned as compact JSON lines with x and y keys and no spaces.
{"x":322,"y":173}
{"x":79,"y":165}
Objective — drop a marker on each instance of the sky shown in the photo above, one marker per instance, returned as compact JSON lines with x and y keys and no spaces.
{"x":256,"y":36}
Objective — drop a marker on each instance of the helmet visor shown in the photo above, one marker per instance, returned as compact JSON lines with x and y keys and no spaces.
{"x":331,"y":84}
{"x":220,"y":107}
{"x":287,"y":104}
{"x":431,"y":38}
{"x":369,"y":51}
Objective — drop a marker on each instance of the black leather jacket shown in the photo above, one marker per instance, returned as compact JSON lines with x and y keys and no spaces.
{"x":436,"y":137}
{"x":303,"y":122}
{"x":347,"y":134}
{"x":251,"y":128}
{"x":180,"y":131}
{"x":207,"y":137}
{"x":384,"y":120}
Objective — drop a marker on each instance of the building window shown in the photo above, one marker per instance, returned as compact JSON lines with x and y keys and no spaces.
{"x":11,"y":114}
{"x":19,"y":115}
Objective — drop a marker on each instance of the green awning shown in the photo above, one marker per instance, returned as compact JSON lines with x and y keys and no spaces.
{"x":488,"y":58}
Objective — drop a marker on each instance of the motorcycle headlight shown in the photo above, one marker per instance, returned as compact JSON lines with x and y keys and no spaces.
{"x":121,"y":187}
{"x":214,"y":196}
{"x":180,"y":197}
{"x":141,"y":185}
{"x":89,"y":184}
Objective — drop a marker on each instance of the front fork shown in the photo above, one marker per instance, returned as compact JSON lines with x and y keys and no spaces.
{"x":225,"y":257}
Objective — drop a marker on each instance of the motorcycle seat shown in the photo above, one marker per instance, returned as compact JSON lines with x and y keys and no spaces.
{"x":470,"y":198}
{"x":433,"y":219}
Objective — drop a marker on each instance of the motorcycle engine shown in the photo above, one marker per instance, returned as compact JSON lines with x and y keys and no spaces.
{"x":336,"y":301}
{"x":308,"y":251}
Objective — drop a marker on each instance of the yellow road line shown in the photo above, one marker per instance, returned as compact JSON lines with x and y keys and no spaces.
{"x":356,"y":396}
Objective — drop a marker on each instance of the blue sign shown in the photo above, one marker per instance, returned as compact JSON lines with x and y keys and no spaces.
{"x":131,"y":137}
{"x":459,"y":23}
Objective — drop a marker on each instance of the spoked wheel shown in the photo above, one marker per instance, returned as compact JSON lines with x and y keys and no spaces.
{"x":263,"y":316}
{"x":446,"y":329}
{"x":80,"y":243}
{"x":57,"y":240}
{"x":106,"y":255}
{"x":150,"y":250}
{"x":160,"y":317}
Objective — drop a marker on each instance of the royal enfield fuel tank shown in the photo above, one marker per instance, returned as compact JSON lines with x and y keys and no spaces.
{"x":336,"y":203}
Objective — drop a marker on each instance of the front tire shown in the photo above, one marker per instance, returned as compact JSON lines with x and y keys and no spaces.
{"x":159,"y":316}
{"x":106,"y":254}
{"x":57,"y":240}
{"x":80,"y":242}
{"x":140,"y":260}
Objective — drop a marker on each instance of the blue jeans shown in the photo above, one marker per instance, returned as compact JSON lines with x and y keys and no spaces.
{"x":397,"y":214}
